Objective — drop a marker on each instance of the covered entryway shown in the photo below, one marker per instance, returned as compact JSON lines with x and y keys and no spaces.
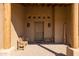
{"x":41,"y":23}
{"x":60,"y":25}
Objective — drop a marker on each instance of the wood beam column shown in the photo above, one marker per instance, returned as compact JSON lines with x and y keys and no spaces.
{"x":7,"y":26}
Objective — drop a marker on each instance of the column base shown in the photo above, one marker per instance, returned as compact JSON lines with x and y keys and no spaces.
{"x":7,"y":52}
{"x":72,"y":51}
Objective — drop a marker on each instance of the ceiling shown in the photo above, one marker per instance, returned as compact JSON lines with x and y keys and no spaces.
{"x":45,"y":4}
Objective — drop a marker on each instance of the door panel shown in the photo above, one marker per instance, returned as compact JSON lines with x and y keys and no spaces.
{"x":39,"y":31}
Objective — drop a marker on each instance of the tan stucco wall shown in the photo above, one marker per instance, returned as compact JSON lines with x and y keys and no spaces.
{"x":1,"y":24}
{"x":60,"y":17}
{"x":42,"y":12}
{"x":17,"y":25}
{"x":68,"y":17}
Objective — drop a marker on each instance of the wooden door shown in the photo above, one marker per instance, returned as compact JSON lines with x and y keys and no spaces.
{"x":39,"y":31}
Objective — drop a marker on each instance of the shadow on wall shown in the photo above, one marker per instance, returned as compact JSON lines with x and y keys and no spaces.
{"x":17,"y":23}
{"x":57,"y":54}
{"x":17,"y":20}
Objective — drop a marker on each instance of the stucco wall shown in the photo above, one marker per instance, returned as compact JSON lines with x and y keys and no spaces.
{"x":1,"y":24}
{"x":39,"y":12}
{"x":60,"y":17}
{"x":68,"y":21}
{"x":17,"y":25}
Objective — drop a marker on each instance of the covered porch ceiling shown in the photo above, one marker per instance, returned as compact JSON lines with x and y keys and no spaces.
{"x":46,"y":4}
